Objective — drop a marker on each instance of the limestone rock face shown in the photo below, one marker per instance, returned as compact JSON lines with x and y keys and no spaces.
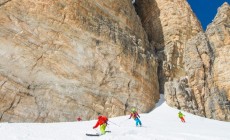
{"x":169,"y":25}
{"x":66,"y":58}
{"x":219,"y":36}
{"x":189,"y":64}
{"x":190,"y":92}
{"x":218,"y":33}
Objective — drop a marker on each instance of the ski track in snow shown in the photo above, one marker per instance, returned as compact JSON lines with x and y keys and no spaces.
{"x":160,"y":124}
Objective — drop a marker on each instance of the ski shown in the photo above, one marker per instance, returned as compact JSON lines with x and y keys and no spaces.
{"x":92,"y":134}
{"x":141,"y":126}
{"x":96,"y":134}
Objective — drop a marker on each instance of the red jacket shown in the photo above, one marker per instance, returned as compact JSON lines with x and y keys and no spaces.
{"x":101,"y":120}
{"x":134,"y":115}
{"x":79,"y":119}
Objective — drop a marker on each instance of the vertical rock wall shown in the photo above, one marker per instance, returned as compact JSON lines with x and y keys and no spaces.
{"x":169,"y":24}
{"x":188,"y":58}
{"x":218,"y":33}
{"x":66,"y":58}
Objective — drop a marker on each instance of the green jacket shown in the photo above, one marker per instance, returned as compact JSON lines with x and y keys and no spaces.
{"x":180,"y":115}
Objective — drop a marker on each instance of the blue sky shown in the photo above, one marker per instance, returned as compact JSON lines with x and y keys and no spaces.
{"x":206,"y":10}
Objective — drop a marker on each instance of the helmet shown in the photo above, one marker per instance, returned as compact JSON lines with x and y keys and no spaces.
{"x":133,"y":109}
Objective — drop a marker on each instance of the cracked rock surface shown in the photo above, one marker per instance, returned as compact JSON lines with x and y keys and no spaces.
{"x":193,"y":68}
{"x":61,"y":59}
{"x":65,"y":58}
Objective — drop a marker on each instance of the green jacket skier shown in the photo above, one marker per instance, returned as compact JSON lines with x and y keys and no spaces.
{"x":181,"y":116}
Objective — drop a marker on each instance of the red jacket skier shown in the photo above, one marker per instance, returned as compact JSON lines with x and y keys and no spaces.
{"x":102,"y":121}
{"x":79,"y":119}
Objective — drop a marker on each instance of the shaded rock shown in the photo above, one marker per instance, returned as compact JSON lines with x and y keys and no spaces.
{"x":169,"y":25}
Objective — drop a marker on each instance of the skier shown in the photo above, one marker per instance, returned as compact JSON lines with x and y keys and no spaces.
{"x":181,"y":116}
{"x":135,"y":116}
{"x":79,"y":119}
{"x":102,"y":121}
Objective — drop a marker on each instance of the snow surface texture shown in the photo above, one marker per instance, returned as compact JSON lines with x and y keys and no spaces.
{"x":160,"y":124}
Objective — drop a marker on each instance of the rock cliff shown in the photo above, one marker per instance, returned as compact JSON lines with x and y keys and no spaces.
{"x":191,"y":71}
{"x":66,"y":58}
{"x":218,"y":33}
{"x":169,"y":25}
{"x":219,"y":38}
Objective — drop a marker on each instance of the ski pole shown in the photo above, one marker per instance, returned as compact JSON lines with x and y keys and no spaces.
{"x":114,"y":123}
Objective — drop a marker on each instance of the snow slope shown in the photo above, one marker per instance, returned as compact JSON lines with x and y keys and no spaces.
{"x":160,"y":124}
